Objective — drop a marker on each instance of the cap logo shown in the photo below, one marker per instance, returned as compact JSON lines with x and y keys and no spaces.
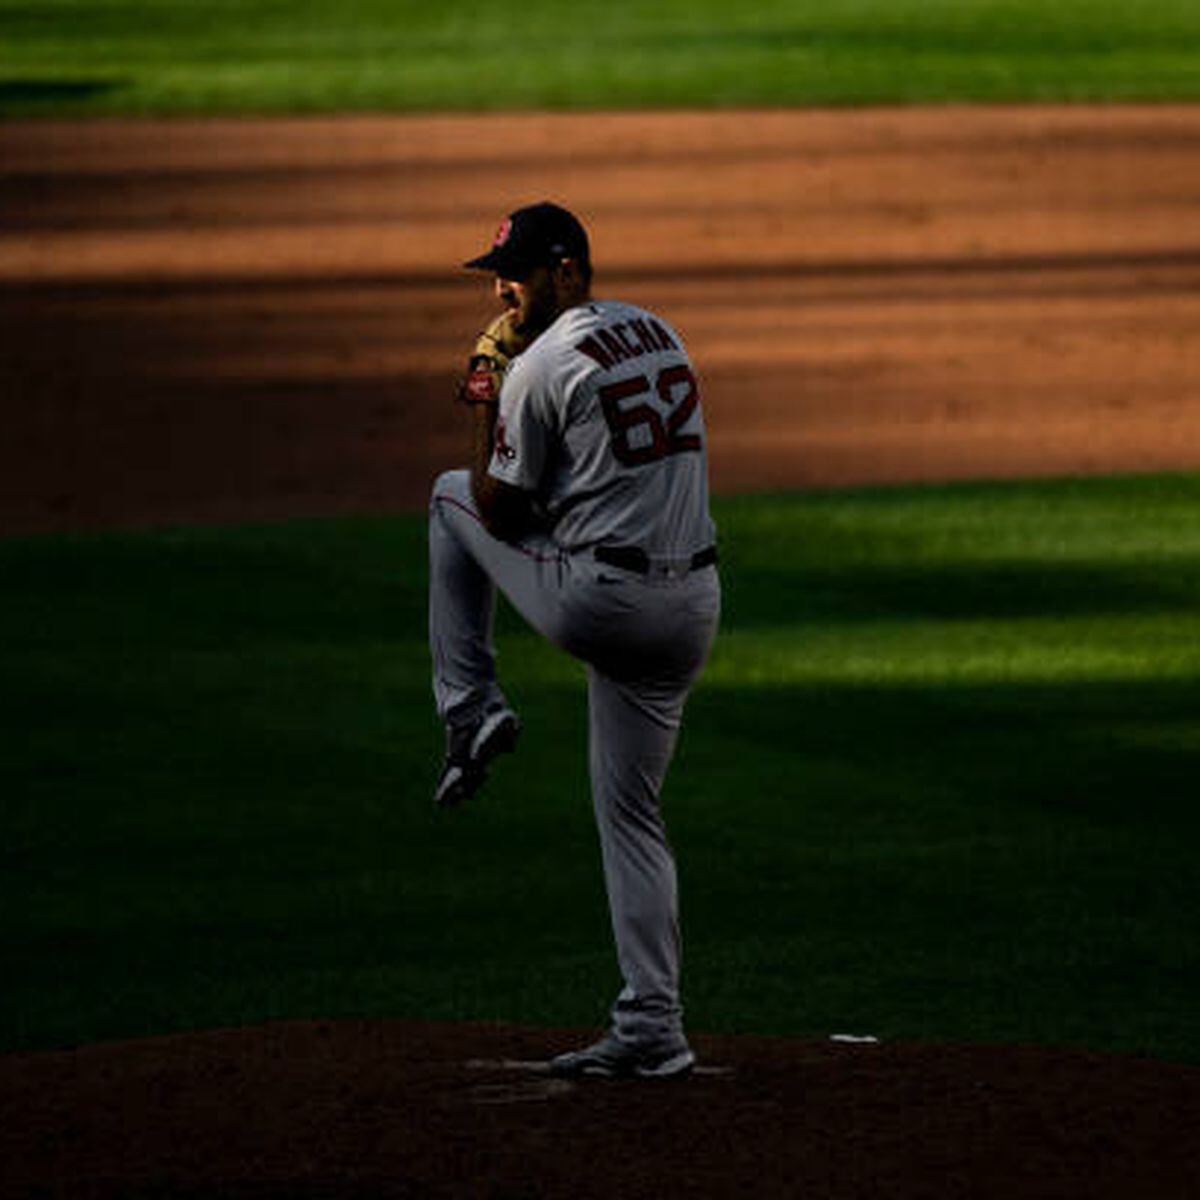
{"x":502,"y":233}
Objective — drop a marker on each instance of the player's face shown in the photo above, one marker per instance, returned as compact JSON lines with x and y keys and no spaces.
{"x":533,"y":300}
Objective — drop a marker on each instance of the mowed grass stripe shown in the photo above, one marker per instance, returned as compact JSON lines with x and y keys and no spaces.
{"x":938,"y":782}
{"x":159,"y":56}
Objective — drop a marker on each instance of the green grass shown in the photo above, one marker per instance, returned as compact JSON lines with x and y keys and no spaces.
{"x":938,"y":783}
{"x":165,"y":56}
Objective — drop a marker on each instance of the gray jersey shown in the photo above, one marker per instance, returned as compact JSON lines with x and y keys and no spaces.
{"x":600,"y":418}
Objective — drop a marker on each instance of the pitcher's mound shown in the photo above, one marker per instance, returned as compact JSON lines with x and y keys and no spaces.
{"x":422,"y":1110}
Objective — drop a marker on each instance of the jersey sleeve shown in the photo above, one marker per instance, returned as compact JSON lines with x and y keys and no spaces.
{"x":522,"y":428}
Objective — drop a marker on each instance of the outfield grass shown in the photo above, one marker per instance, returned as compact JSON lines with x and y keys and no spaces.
{"x":165,"y":56}
{"x":938,"y":783}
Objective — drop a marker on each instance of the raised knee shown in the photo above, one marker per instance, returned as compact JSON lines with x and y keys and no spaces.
{"x":451,"y":485}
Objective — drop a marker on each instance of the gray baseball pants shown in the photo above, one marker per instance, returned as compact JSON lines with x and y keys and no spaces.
{"x":644,"y":641}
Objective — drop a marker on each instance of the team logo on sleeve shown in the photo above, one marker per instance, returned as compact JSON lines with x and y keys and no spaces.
{"x":504,"y":451}
{"x":483,"y":384}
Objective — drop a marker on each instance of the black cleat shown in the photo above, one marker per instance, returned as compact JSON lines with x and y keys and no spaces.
{"x":469,"y":752}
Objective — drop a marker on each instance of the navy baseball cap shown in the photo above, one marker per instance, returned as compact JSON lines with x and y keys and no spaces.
{"x":531,"y":237}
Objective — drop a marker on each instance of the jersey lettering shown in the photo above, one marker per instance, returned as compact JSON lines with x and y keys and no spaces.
{"x":645,"y":336}
{"x":596,"y":352}
{"x":678,"y":383}
{"x":665,"y":340}
{"x":611,"y":345}
{"x":639,"y":433}
{"x":616,"y":350}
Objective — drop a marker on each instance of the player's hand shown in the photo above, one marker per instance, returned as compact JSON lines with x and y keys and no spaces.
{"x":494,"y":349}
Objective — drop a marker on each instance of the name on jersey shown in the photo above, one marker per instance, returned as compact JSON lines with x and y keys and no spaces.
{"x":613,"y":344}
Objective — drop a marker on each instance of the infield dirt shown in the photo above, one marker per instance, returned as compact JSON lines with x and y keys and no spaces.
{"x":444,"y":1112}
{"x":235,"y":319}
{"x":220,"y":319}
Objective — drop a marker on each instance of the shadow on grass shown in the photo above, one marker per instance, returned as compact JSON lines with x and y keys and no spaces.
{"x":761,"y":596}
{"x":220,"y":744}
{"x":1116,"y":753}
{"x":20,"y":94}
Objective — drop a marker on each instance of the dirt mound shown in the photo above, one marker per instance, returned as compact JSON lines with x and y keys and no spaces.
{"x":422,"y":1110}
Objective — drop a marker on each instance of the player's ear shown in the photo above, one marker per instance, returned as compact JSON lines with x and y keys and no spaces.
{"x":568,"y":275}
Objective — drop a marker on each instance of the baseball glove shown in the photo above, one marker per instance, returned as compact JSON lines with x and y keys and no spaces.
{"x":494,"y":349}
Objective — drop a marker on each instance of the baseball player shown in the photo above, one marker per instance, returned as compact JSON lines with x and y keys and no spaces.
{"x":587,"y":505}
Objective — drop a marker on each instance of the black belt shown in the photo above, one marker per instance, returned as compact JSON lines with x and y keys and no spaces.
{"x":634,"y":558}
